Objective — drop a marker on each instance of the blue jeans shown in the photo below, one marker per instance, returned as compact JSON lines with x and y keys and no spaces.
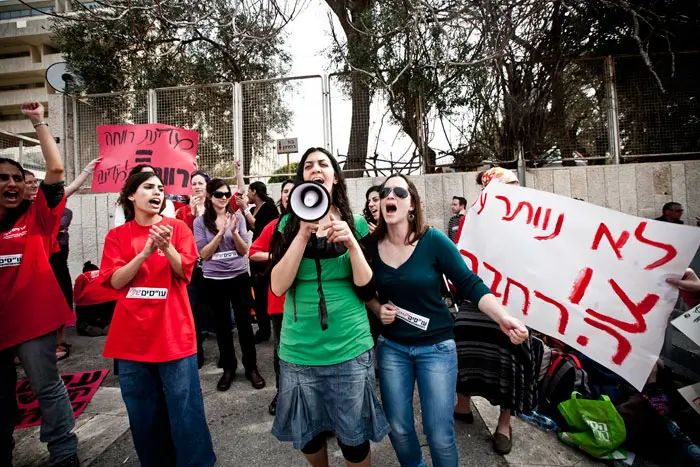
{"x":435,"y":369}
{"x":38,"y":357}
{"x":166,"y":412}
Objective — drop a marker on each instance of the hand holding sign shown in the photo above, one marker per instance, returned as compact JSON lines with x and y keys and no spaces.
{"x":387,"y":313}
{"x":688,"y":283}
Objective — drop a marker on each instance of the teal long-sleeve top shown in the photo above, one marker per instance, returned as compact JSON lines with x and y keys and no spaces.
{"x":415,"y":286}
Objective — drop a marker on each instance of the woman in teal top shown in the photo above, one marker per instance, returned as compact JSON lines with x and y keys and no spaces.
{"x":327,"y":379}
{"x":417,"y":342}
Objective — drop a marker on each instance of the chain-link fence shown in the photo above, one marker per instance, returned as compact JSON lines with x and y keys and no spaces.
{"x":104,"y":109}
{"x":366,"y":136}
{"x":24,"y":150}
{"x":659,"y":106}
{"x":580,"y":112}
{"x":280,"y":108}
{"x":209,"y":110}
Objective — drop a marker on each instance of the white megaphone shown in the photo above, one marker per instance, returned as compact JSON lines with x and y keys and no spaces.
{"x":310,"y":201}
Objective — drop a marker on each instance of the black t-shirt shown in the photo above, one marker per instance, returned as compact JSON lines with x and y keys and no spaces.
{"x":268,"y":212}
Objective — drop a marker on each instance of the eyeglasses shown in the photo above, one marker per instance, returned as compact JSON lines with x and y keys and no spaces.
{"x":221,"y":194}
{"x":398,"y":191}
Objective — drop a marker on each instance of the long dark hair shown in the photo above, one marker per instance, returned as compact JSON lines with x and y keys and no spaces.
{"x":130,"y":186}
{"x":12,"y":216}
{"x":417,"y":227}
{"x":261,"y":190}
{"x":339,"y":199}
{"x":282,"y":209}
{"x":209,"y":211}
{"x":365,"y":212}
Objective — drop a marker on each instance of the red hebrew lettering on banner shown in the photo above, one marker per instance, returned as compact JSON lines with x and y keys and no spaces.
{"x":170,"y":150}
{"x":589,"y":276}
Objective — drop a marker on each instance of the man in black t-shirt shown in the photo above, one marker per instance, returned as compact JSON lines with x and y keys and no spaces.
{"x":264,"y":212}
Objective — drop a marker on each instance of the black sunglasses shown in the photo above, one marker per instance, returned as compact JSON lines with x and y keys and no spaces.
{"x":221,"y":194}
{"x":398,"y":191}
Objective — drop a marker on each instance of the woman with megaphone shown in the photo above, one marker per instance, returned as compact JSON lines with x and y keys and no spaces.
{"x":327,"y":379}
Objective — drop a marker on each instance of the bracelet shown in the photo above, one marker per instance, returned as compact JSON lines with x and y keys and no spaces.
{"x":246,"y":212}
{"x":39,"y":124}
{"x":87,"y":171}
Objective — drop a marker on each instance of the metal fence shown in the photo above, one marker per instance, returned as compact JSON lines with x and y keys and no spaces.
{"x":24,"y":150}
{"x":590,"y":111}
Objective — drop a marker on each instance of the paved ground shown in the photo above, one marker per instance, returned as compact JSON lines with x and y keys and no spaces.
{"x":240,"y":425}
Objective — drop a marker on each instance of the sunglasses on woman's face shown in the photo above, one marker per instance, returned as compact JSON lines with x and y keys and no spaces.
{"x":221,"y":194}
{"x":398,"y":191}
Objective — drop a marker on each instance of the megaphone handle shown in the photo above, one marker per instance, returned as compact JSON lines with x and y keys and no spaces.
{"x":322,"y":309}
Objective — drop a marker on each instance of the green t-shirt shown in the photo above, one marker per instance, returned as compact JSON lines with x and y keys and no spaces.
{"x":302,"y":342}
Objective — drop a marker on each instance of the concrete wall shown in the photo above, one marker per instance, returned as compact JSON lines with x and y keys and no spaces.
{"x":638,"y":189}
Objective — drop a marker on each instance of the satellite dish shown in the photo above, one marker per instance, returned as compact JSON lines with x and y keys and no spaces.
{"x":62,"y":79}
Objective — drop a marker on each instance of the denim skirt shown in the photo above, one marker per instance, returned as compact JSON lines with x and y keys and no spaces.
{"x":340,"y":398}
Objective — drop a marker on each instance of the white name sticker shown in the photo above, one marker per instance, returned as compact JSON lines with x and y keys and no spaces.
{"x":224,"y":255}
{"x":415,"y":320}
{"x":147,"y":293}
{"x":10,"y":260}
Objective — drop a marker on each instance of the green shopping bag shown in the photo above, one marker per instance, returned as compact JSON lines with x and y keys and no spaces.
{"x":596,"y":426}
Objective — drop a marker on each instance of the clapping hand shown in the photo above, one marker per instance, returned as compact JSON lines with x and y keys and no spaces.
{"x":161,"y":236}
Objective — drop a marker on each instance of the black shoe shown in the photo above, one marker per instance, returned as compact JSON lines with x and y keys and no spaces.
{"x":226,"y":379}
{"x":70,"y":462}
{"x":255,"y":378}
{"x":273,"y":406}
{"x":261,"y":337}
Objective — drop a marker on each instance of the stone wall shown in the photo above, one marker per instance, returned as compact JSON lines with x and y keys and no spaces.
{"x":637,"y":189}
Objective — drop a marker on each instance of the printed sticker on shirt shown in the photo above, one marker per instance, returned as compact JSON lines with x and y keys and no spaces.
{"x":224,"y":255}
{"x":147,"y":293}
{"x":15,"y":233}
{"x":415,"y":320}
{"x":10,"y":260}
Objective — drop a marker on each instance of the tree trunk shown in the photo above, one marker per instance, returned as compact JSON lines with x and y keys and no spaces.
{"x":359,"y":126}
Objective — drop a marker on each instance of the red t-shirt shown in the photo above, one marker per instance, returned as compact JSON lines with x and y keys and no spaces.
{"x":275,"y":304}
{"x":185,"y":215}
{"x":89,"y":290}
{"x":152,"y":320}
{"x":32,"y":303}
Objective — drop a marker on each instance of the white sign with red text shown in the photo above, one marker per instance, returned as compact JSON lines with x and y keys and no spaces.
{"x":591,"y":277}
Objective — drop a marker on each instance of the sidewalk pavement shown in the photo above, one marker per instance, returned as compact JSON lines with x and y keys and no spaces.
{"x":240,"y":425}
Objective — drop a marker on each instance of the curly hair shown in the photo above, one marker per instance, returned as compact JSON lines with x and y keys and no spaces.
{"x":209,"y":212}
{"x":339,"y":200}
{"x":366,"y":212}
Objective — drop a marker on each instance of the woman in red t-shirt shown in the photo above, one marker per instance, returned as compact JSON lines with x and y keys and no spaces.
{"x":32,"y":306}
{"x":260,"y":252}
{"x":94,"y":302}
{"x":148,"y":261}
{"x":195,"y":289}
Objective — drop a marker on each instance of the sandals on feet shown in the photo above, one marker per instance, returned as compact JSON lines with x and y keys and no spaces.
{"x":62,"y":351}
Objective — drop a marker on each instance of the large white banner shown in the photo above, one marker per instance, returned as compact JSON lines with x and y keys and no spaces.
{"x":589,"y":276}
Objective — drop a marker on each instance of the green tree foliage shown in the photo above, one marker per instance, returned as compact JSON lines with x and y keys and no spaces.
{"x":291,"y":169}
{"x":136,"y":45}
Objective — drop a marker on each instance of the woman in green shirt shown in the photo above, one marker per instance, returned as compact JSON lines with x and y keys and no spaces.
{"x":327,"y":379}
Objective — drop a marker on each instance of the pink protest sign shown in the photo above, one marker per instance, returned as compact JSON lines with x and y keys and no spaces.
{"x":170,"y":150}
